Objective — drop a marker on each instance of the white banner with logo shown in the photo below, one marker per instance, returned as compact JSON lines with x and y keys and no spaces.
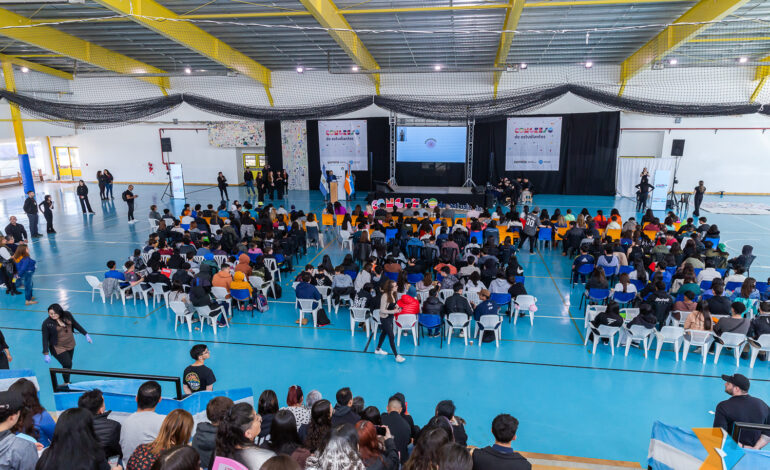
{"x":533,"y":144}
{"x":177,"y":180}
{"x":343,"y":142}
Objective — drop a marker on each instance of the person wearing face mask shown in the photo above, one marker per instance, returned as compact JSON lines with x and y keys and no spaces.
{"x":59,"y":338}
{"x":235,"y":437}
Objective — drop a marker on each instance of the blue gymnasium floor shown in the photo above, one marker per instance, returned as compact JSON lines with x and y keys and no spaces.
{"x":568,"y":401}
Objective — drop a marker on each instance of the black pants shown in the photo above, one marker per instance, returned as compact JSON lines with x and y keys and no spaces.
{"x":8,"y":281}
{"x":698,"y":201}
{"x":223,"y":193}
{"x":280,"y":191}
{"x":532,"y":241}
{"x":260,"y":195}
{"x":130,"y":203}
{"x":65,"y":359}
{"x":85,"y":204}
{"x":271,"y":192}
{"x":101,"y":191}
{"x":386,"y":329}
{"x":48,"y":222}
{"x":641,"y":202}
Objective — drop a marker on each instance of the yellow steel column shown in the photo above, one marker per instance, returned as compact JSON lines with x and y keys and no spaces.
{"x":18,"y":130}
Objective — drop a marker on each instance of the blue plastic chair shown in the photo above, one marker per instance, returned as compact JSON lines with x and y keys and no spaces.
{"x":714,"y":241}
{"x":392,"y":276}
{"x":414,"y":278}
{"x":707,"y":295}
{"x":390,"y":234}
{"x":544,"y":234}
{"x":414,"y":250}
{"x":626,"y":269}
{"x":352,"y":274}
{"x":241,"y":296}
{"x":430,"y":321}
{"x":477,"y":237}
{"x":671,"y":270}
{"x":705,"y":285}
{"x":638,"y":284}
{"x":608,"y":271}
{"x":595,"y":296}
{"x":722,"y":273}
{"x":520,"y":279}
{"x":623,"y":297}
{"x":583,"y":269}
{"x":679,"y":298}
{"x":501,"y":300}
{"x":697,"y":271}
{"x":762,"y":287}
{"x":731,"y":286}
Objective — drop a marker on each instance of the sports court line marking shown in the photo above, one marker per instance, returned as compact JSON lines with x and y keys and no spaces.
{"x":84,"y":313}
{"x":427,"y":356}
{"x":564,"y":302}
{"x":67,"y":274}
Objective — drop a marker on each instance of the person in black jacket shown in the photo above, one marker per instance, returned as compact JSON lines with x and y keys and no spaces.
{"x":342,"y":411}
{"x":5,"y":353}
{"x":107,"y":430}
{"x":222,"y":185}
{"x":719,"y":305}
{"x":59,"y":339}
{"x":646,"y":317}
{"x":15,"y":230}
{"x":248,"y":179}
{"x":571,"y":239}
{"x":609,"y":317}
{"x":760,"y":325}
{"x":446,"y":408}
{"x":500,"y":455}
{"x":46,"y":207}
{"x":399,"y":428}
{"x":456,"y":303}
{"x":30,"y":208}
{"x":661,"y":302}
{"x":82,"y":192}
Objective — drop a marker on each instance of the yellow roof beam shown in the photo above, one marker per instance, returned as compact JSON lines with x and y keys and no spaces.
{"x":512,"y":16}
{"x":36,"y":67}
{"x":46,"y":37}
{"x":762,"y":74}
{"x":735,"y":39}
{"x":150,"y":13}
{"x":675,"y":35}
{"x":328,"y":16}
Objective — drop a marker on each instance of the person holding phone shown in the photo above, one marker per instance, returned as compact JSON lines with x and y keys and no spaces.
{"x":388,"y":309}
{"x":129,"y":196}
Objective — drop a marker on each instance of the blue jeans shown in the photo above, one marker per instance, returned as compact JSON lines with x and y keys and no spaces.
{"x":108,"y":192}
{"x":250,"y":187}
{"x":27,"y":280}
{"x":32,"y":225}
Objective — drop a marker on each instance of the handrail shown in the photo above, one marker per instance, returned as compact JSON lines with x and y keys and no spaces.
{"x":738,"y":427}
{"x":119,"y":375}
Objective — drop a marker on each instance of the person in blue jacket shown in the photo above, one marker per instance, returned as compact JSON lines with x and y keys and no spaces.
{"x":306,"y":290}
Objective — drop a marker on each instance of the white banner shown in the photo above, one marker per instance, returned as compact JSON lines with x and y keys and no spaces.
{"x":177,"y":180}
{"x":343,"y":142}
{"x":533,"y":144}
{"x":660,"y":192}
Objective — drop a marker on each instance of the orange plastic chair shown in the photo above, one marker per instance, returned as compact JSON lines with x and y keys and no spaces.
{"x":613,"y":233}
{"x":327,"y":219}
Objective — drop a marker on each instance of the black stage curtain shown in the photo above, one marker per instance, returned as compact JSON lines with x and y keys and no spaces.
{"x":313,"y":159}
{"x":589,"y":144}
{"x":273,"y":151}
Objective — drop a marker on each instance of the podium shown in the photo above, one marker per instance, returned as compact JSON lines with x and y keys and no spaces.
{"x":333,"y":192}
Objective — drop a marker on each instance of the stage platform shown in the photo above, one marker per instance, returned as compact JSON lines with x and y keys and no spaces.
{"x":443,"y":194}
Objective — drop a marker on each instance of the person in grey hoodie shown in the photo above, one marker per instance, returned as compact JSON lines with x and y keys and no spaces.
{"x":16,"y":453}
{"x":205,"y":439}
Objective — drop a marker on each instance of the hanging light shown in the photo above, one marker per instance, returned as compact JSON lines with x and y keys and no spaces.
{"x":187,"y":70}
{"x":24,"y":70}
{"x":523,"y":65}
{"x":437,"y":67}
{"x":743,"y":60}
{"x":354,"y":68}
{"x":672,"y":61}
{"x":589,"y":64}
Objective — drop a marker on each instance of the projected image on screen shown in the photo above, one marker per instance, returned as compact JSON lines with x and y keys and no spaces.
{"x":431,"y":144}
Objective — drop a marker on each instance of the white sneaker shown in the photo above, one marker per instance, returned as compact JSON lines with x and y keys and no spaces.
{"x":380,"y":351}
{"x":400,"y":358}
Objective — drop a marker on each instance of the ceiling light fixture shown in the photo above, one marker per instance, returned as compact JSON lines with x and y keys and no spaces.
{"x":300,"y":69}
{"x":589,"y":64}
{"x":672,"y":61}
{"x":24,"y":70}
{"x":743,"y":60}
{"x":437,"y":68}
{"x":354,"y":68}
{"x":523,"y":65}
{"x":187,"y":70}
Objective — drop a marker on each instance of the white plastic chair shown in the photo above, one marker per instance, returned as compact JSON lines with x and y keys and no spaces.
{"x":457,"y":321}
{"x":698,"y":338}
{"x":605,"y":332}
{"x":181,"y":315}
{"x":158,"y":292}
{"x":146,"y":256}
{"x":669,"y":334}
{"x":631,"y":313}
{"x":444,"y":294}
{"x":359,"y":315}
{"x":374,"y":321}
{"x":473,"y":298}
{"x":343,"y":299}
{"x":523,"y":303}
{"x":760,"y":344}
{"x":734,"y":341}
{"x":489,"y":322}
{"x":220,"y":259}
{"x":153,"y":224}
{"x":591,"y":312}
{"x":422,"y":295}
{"x":207,"y":315}
{"x":305,"y":307}
{"x":96,"y":286}
{"x":406,"y":322}
{"x":139,"y":291}
{"x":261,"y":285}
{"x":326,"y":293}
{"x":220,"y":295}
{"x":198,"y":259}
{"x":165,"y":258}
{"x":346,"y":239}
{"x":683,"y":314}
{"x":272,"y":265}
{"x":636,"y":333}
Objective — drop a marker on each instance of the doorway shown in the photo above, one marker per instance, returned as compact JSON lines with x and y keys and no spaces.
{"x":67,"y":163}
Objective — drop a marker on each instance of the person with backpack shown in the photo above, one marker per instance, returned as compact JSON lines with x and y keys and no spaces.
{"x":129,"y":196}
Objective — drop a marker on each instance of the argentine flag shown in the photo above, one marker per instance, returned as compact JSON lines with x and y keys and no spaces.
{"x":322,"y":187}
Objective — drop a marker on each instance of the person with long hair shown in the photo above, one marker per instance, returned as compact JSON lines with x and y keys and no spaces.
{"x":317,"y":431}
{"x":236,"y":434}
{"x":25,"y":269}
{"x":388,"y":309}
{"x":284,"y":438}
{"x":278,"y":181}
{"x":34,"y":421}
{"x":74,"y":445}
{"x":82,"y":193}
{"x":341,"y":452}
{"x":376,"y":453}
{"x":270,"y":185}
{"x":108,"y":179}
{"x":59,"y":337}
{"x":176,"y":430}
{"x":700,"y":319}
{"x":7,"y":266}
{"x":425,"y":455}
{"x":294,"y":403}
{"x":281,"y":462}
{"x":102,"y":184}
{"x":267,"y":407}
{"x":222,"y":185}
{"x":46,"y":207}
{"x":181,"y":457}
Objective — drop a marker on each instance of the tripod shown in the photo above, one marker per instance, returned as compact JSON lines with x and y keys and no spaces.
{"x":167,"y":189}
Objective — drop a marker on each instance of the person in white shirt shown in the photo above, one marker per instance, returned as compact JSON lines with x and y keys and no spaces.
{"x":499,"y":285}
{"x":624,"y":285}
{"x":143,"y":426}
{"x":737,"y":276}
{"x":473,"y":213}
{"x":709,"y":273}
{"x":470,"y":268}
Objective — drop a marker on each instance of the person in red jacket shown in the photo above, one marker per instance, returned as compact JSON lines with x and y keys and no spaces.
{"x":409,"y":305}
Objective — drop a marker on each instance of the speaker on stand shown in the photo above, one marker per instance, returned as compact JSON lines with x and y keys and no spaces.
{"x":677,"y":150}
{"x":165,"y":147}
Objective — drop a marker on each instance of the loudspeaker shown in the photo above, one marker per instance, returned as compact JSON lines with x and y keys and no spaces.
{"x":165,"y":144}
{"x":677,"y":147}
{"x":382,"y":187}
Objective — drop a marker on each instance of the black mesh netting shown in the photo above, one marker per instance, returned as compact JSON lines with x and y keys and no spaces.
{"x":116,"y":113}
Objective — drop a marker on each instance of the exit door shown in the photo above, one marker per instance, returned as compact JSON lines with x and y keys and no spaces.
{"x":68,"y":163}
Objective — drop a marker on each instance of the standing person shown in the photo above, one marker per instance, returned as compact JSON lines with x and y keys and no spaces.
{"x":74,"y":444}
{"x":100,"y":179}
{"x":5,"y":353}
{"x":700,"y":190}
{"x":248,"y":178}
{"x":285,"y":176}
{"x":642,"y":193}
{"x":222,"y":185}
{"x":197,"y":377}
{"x":46,"y":207}
{"x":530,"y":230}
{"x":59,"y":337}
{"x":278,"y":181}
{"x":388,"y":309}
{"x":82,"y":192}
{"x":129,"y":196}
{"x":108,"y":184}
{"x":270,"y":185}
{"x":16,"y":452}
{"x":260,"y":183}
{"x":30,"y":208}
{"x":7,"y":267}
{"x":25,"y":268}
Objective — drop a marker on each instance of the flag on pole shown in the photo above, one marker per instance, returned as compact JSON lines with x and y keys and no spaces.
{"x":348,"y":183}
{"x":322,"y":186}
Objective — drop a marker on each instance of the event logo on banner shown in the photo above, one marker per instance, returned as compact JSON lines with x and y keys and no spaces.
{"x":533,"y":144}
{"x":343,"y":142}
{"x":660,"y":191}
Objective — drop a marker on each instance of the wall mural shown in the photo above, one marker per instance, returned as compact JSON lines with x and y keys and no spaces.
{"x":237,"y":134}
{"x":294,"y":151}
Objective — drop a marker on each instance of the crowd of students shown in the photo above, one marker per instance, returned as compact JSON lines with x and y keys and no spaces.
{"x":310,"y":433}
